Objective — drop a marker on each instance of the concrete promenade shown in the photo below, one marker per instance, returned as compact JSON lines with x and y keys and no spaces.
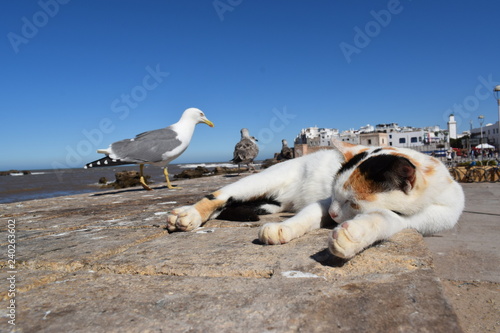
{"x":103,"y":262}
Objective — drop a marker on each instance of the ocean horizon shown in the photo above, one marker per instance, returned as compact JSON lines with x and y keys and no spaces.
{"x":50,"y":183}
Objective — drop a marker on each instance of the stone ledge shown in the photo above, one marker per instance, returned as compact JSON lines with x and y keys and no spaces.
{"x":78,"y":272}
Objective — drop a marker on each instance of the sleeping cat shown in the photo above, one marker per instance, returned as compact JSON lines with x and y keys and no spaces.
{"x":371,"y":192}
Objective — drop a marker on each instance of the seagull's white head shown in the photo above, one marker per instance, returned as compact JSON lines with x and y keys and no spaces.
{"x":197,"y":116}
{"x":245,"y":133}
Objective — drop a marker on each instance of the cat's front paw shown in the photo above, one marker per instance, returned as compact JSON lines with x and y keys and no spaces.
{"x":275,"y":233}
{"x":348,"y":239}
{"x":183,"y":219}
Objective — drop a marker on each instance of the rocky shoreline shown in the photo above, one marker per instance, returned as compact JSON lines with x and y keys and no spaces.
{"x":15,"y":172}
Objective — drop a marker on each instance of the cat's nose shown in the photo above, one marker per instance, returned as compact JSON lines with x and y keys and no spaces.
{"x":333,"y":215}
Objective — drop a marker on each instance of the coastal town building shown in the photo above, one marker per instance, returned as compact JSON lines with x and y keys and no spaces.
{"x":391,"y":134}
{"x":315,"y":136}
{"x":350,"y":136}
{"x":490,"y":135}
{"x":427,"y":139}
{"x":374,"y":139}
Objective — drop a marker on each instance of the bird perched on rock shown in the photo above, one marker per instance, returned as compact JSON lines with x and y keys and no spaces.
{"x":286,"y":152}
{"x":158,"y":147}
{"x":246,"y":150}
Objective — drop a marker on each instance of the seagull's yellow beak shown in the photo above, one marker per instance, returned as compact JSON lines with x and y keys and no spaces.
{"x":208,"y":122}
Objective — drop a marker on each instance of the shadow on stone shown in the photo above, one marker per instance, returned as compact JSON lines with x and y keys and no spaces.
{"x":325,"y":258}
{"x":118,"y":192}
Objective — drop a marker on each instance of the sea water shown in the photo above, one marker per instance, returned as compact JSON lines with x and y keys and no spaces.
{"x":54,"y":183}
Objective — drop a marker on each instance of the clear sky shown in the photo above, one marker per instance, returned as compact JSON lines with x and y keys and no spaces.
{"x":78,"y":75}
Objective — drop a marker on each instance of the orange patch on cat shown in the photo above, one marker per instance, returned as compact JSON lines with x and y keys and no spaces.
{"x":347,"y":144}
{"x":363,"y":188}
{"x":431,"y":169}
{"x":206,"y":206}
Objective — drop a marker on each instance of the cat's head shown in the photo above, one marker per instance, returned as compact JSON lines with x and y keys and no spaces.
{"x":371,"y":178}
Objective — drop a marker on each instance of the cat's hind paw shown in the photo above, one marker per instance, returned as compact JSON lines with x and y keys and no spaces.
{"x":184,"y":218}
{"x":275,"y":233}
{"x":348,"y":239}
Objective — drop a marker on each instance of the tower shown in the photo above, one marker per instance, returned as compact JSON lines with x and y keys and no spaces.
{"x":452,"y":127}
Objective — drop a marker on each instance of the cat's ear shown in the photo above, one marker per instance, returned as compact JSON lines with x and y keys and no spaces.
{"x":406,"y":172}
{"x":348,"y":149}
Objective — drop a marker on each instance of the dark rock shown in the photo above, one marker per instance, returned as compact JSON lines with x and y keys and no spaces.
{"x":126,"y":179}
{"x":284,"y":155}
{"x":103,"y":180}
{"x":269,"y":162}
{"x":7,"y":173}
{"x":193,"y":173}
{"x":226,"y":170}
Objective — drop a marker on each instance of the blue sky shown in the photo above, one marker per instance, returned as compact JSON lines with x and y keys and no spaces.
{"x":78,"y":75}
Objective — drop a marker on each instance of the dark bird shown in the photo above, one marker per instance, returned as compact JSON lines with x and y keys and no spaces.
{"x":286,"y":152}
{"x":246,"y":150}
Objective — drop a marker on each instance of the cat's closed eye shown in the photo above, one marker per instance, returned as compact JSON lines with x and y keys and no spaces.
{"x":353,"y":205}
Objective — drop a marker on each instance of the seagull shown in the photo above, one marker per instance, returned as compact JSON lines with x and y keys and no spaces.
{"x":286,"y":152}
{"x":158,"y":147}
{"x":246,"y":150}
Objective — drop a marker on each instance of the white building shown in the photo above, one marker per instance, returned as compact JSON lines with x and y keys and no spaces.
{"x":366,"y":129}
{"x":490,"y":135}
{"x":406,"y":138}
{"x":350,"y":136}
{"x":326,"y":135}
{"x":396,"y":136}
{"x":452,"y":127}
{"x":315,"y":136}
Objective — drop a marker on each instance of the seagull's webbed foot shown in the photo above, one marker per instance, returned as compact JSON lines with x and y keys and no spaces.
{"x":142,"y":180}
{"x":144,"y":185}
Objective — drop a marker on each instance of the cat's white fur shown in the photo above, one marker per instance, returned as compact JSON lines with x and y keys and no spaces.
{"x":310,"y":186}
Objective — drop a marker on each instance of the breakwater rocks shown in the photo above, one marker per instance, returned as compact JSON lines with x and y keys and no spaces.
{"x":124,"y":179}
{"x":15,"y":172}
{"x":204,"y":172}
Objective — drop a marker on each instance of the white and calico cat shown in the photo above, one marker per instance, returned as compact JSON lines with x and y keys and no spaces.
{"x":371,"y":192}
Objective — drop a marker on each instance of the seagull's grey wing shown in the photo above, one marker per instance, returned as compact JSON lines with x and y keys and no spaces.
{"x":245,"y":151}
{"x":146,"y":147}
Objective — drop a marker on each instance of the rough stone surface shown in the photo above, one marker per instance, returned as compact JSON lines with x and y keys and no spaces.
{"x":467,"y":256}
{"x":104,"y":263}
